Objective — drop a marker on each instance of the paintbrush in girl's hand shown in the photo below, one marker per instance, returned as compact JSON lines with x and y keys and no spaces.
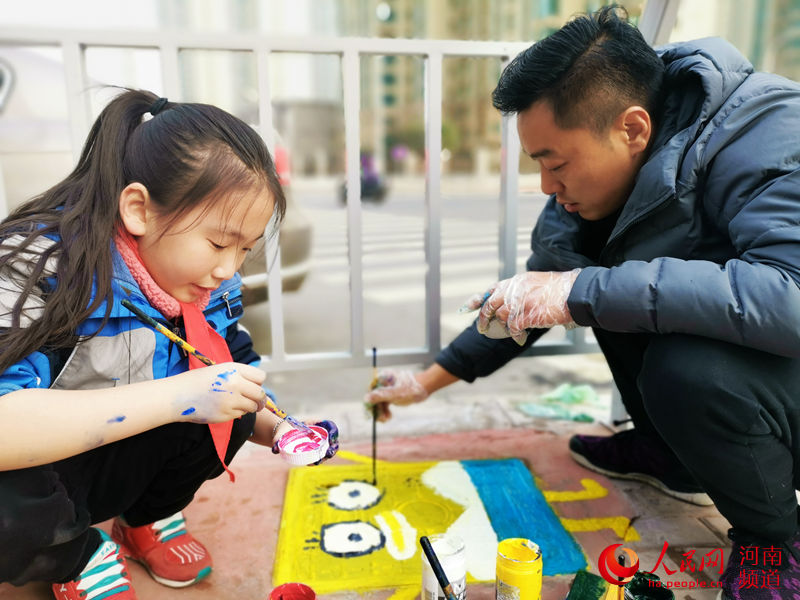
{"x":173,"y":337}
{"x":183,"y":344}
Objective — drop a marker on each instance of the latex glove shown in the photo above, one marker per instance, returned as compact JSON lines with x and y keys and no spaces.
{"x":333,"y":439}
{"x":535,"y":299}
{"x":394,"y":387}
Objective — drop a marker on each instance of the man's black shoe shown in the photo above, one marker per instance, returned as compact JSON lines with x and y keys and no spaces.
{"x":627,"y":455}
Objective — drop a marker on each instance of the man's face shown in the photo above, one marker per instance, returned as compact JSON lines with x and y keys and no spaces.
{"x":590,"y":174}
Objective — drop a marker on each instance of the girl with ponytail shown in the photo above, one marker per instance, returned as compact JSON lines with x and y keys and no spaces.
{"x":101,"y":416}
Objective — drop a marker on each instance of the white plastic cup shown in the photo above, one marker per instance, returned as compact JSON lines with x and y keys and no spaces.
{"x":449,"y":549}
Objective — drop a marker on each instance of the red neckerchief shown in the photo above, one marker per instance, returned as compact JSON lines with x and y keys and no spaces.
{"x":198,"y":332}
{"x":203,"y":337}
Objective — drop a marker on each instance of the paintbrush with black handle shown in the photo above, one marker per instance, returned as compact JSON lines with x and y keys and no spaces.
{"x":374,"y":417}
{"x":438,"y":571}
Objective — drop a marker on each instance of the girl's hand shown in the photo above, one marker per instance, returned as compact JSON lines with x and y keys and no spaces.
{"x":217,"y":393}
{"x":333,"y":438}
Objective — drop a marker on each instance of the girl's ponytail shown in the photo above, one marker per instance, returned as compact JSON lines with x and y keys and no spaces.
{"x":183,"y":153}
{"x":73,"y":223}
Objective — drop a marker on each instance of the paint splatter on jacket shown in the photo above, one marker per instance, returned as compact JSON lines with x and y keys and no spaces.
{"x":708,"y":242}
{"x":125,"y":350}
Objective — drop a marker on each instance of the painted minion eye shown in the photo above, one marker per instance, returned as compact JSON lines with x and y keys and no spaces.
{"x":351,"y":538}
{"x":353,"y":495}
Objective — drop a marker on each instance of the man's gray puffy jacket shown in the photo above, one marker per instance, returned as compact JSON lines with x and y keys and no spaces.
{"x":708,"y":243}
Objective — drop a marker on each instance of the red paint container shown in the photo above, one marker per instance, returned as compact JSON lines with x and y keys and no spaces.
{"x":292,"y":591}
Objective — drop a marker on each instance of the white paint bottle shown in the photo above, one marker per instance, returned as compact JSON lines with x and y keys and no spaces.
{"x":450,"y":551}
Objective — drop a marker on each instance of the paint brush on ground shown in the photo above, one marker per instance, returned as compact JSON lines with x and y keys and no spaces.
{"x":374,"y":417}
{"x":436,"y":566}
{"x":186,"y":346}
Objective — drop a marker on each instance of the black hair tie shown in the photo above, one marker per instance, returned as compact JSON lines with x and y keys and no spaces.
{"x":158,"y":106}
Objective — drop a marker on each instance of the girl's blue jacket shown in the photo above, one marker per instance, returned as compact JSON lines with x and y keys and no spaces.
{"x":125,"y":350}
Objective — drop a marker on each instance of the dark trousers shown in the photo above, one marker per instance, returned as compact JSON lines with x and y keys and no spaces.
{"x":46,"y":512}
{"x":730,"y":414}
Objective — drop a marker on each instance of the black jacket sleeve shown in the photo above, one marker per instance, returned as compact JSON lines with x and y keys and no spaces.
{"x":472,"y":355}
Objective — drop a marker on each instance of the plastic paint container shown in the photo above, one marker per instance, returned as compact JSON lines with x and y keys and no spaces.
{"x":449,"y":549}
{"x":519,"y":570}
{"x":292,"y":591}
{"x":300,"y":447}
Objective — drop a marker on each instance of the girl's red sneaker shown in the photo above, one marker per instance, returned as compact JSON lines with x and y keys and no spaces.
{"x":171,"y":555}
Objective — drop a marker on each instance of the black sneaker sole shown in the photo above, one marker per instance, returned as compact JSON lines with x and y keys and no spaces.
{"x":697,"y":498}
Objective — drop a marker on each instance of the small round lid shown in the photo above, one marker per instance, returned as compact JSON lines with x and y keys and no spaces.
{"x":303,"y":447}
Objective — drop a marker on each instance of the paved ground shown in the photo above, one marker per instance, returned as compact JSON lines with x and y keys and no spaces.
{"x":239,"y":522}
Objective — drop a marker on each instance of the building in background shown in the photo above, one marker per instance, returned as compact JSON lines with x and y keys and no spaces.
{"x":766,"y":31}
{"x":392,"y":102}
{"x":306,"y":88}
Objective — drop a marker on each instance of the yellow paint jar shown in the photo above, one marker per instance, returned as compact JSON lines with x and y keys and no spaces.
{"x":519,"y":570}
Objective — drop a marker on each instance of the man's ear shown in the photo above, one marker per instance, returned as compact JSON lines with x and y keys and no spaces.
{"x":133,"y":208}
{"x":637,"y":128}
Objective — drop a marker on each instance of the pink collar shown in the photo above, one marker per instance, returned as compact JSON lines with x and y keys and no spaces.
{"x":128,"y":248}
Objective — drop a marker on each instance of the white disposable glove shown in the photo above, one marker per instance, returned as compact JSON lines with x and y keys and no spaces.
{"x":394,"y":387}
{"x":535,"y":299}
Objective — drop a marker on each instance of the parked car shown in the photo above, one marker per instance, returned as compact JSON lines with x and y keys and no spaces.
{"x":295,"y":242}
{"x":35,"y":153}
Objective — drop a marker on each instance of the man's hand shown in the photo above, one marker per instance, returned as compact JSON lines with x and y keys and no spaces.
{"x":536,"y":299}
{"x":394,"y":387}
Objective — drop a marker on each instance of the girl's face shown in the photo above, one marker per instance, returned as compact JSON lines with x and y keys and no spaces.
{"x":206,"y":246}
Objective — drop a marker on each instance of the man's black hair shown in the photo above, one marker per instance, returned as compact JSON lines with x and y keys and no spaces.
{"x":589,"y":71}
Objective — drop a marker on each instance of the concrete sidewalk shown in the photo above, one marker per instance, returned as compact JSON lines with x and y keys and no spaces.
{"x":239,"y":522}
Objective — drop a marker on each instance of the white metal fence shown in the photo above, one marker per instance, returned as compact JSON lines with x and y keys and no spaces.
{"x":657,"y":19}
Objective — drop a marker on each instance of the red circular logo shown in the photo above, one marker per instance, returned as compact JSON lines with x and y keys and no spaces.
{"x":612,"y":571}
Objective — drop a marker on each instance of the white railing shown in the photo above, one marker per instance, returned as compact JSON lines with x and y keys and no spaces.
{"x":74,"y":44}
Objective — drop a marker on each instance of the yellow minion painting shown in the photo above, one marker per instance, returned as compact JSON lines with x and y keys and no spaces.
{"x":339,"y":532}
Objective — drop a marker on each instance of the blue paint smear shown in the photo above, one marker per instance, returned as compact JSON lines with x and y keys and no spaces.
{"x":225,"y":375}
{"x":188,"y":411}
{"x":517,"y":509}
{"x":220,"y":380}
{"x":118,"y":419}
